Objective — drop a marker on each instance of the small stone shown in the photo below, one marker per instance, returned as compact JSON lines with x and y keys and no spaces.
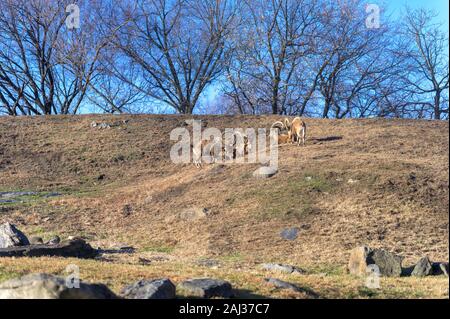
{"x":54,"y":240}
{"x":289,"y":233}
{"x":352,"y":181}
{"x":36,"y":240}
{"x":207,"y":288}
{"x":422,"y":268}
{"x":127,"y":210}
{"x":265,"y":172}
{"x":288,"y":269}
{"x":150,"y":289}
{"x":10,"y":236}
{"x":194,"y":214}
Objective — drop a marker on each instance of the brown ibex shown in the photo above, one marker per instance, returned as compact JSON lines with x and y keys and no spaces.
{"x":296,"y":130}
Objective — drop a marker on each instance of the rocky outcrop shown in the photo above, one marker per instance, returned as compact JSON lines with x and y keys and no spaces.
{"x":73,"y":248}
{"x":390,"y":265}
{"x":44,"y":286}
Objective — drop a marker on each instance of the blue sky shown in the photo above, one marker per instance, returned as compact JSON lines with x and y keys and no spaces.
{"x":395,"y":8}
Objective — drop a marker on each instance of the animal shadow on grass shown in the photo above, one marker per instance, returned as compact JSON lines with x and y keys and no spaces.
{"x":326,"y":139}
{"x":247,"y":294}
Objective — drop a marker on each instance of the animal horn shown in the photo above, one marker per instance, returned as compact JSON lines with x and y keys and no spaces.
{"x":278,"y":124}
{"x":286,"y":123}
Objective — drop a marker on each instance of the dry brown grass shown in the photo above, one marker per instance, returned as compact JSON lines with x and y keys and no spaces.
{"x":399,"y":198}
{"x":248,"y":280}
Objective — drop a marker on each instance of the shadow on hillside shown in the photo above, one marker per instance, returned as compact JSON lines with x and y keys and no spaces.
{"x":237,"y":294}
{"x":326,"y":139}
{"x":247,"y":294}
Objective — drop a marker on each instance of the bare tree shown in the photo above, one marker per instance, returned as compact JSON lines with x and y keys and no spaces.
{"x":179,"y":45}
{"x":275,"y":36}
{"x":352,"y":60}
{"x":427,"y":74}
{"x":302,"y":57}
{"x":117,"y":88}
{"x":45,"y":67}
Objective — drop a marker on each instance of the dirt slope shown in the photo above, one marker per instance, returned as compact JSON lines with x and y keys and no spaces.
{"x":382,"y":183}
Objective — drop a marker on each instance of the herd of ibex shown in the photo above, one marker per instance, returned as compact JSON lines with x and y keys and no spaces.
{"x":295,"y":132}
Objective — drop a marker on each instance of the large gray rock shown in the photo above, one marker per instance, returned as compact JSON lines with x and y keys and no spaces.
{"x":207,"y":288}
{"x":10,"y":236}
{"x":265,"y":172}
{"x":422,"y":268}
{"x":287,"y":269}
{"x":44,"y":286}
{"x":361,"y":257}
{"x":150,"y":289}
{"x":74,"y":248}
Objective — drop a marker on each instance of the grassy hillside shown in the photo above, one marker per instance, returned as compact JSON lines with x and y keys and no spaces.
{"x":382,"y":183}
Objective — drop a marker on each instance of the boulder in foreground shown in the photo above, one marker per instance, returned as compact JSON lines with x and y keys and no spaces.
{"x":150,"y":289}
{"x":207,"y":288}
{"x":390,"y":265}
{"x":44,"y":286}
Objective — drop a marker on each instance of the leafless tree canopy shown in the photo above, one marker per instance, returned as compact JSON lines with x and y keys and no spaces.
{"x":302,"y":57}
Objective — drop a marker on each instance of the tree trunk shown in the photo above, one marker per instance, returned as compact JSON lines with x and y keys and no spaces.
{"x":326,"y":108}
{"x":437,"y":106}
{"x":275,"y":96}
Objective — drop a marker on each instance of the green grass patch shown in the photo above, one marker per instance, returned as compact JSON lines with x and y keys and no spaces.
{"x":26,"y":200}
{"x":7,"y":275}
{"x":233,"y":257}
{"x":291,"y":198}
{"x":158,"y":249}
